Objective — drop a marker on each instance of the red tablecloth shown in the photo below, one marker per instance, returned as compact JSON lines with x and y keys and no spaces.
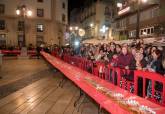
{"x":78,"y":76}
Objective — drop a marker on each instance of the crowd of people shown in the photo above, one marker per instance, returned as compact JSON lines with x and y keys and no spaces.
{"x":136,"y":56}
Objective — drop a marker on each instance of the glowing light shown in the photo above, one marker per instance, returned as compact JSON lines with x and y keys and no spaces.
{"x":144,"y":1}
{"x":76,"y":28}
{"x":18,"y":12}
{"x":91,"y":25}
{"x":29,"y":13}
{"x":144,"y":33}
{"x":119,"y":5}
{"x":127,"y":9}
{"x":76,"y":43}
{"x":71,"y":28}
{"x":104,"y":29}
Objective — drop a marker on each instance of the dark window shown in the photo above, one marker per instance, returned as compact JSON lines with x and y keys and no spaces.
{"x":40,"y":12}
{"x":63,"y":5}
{"x":152,"y":30}
{"x":40,"y":0}
{"x":63,"y":18}
{"x":141,"y":32}
{"x":2,"y":8}
{"x":2,"y":24}
{"x":148,"y":31}
{"x":40,"y":27}
{"x":2,"y":40}
{"x":21,"y":25}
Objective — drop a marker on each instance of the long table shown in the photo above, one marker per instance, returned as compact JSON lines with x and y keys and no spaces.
{"x":82,"y":79}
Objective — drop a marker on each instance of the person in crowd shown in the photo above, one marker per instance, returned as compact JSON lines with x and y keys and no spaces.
{"x":156,"y":64}
{"x":38,"y":49}
{"x":125,"y":58}
{"x":147,"y":54}
{"x":111,"y":51}
{"x":82,"y":51}
{"x":139,"y":63}
{"x":153,"y":48}
{"x":118,"y":49}
{"x":133,"y":51}
{"x":163,"y":63}
{"x":104,"y":48}
{"x":141,"y":50}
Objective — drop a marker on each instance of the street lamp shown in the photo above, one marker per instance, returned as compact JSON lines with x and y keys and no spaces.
{"x":138,"y":17}
{"x":73,"y":33}
{"x":76,"y":28}
{"x":119,"y":5}
{"x":24,"y":12}
{"x":91,"y":25}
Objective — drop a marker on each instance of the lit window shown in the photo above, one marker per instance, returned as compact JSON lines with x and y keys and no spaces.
{"x":40,"y":27}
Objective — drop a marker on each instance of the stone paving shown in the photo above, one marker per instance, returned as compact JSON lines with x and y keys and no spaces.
{"x":31,"y":87}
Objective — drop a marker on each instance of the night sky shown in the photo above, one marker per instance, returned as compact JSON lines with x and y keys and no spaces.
{"x":75,"y":4}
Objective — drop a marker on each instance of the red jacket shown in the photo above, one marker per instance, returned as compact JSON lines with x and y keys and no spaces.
{"x":124,"y":60}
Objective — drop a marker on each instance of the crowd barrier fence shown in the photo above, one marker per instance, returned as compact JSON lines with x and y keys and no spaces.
{"x":134,"y":81}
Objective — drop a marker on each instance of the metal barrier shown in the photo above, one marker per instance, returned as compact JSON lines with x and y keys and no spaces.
{"x":150,"y":85}
{"x":136,"y":82}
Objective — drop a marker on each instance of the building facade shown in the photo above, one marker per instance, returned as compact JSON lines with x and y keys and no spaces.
{"x":46,"y":24}
{"x":96,"y":19}
{"x":151,"y":22}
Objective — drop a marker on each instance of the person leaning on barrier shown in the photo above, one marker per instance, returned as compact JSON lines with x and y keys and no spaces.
{"x":138,"y":63}
{"x":156,"y":64}
{"x":125,"y":58}
{"x":163,"y":62}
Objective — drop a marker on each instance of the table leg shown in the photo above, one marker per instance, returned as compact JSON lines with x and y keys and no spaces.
{"x":76,"y":102}
{"x":62,"y":82}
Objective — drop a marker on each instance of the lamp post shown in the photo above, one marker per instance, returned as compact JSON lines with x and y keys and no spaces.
{"x":92,"y":30}
{"x":73,"y":33}
{"x":139,"y":2}
{"x":23,"y":12}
